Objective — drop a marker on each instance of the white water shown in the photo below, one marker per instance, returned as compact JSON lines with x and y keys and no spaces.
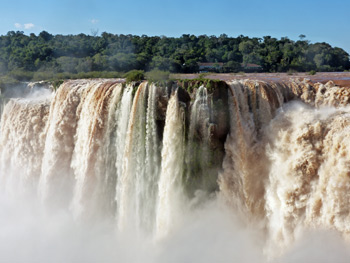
{"x":149,"y":187}
{"x":56,"y":174}
{"x":171,"y":200}
{"x":122,"y":116}
{"x":22,"y":142}
{"x":87,"y":160}
{"x":122,"y":119}
{"x":309,"y":180}
{"x":137,"y":184}
{"x":133,"y":168}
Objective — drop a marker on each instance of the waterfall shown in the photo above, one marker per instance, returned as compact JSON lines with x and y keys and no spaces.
{"x":143,"y":155}
{"x":309,"y":180}
{"x":23,"y":126}
{"x":122,"y":120}
{"x":197,"y":153}
{"x":171,"y":197}
{"x":132,"y":168}
{"x":56,"y":173}
{"x":137,"y":183}
{"x":110,"y":151}
{"x":242,"y":183}
{"x":87,"y":160}
{"x":149,"y":187}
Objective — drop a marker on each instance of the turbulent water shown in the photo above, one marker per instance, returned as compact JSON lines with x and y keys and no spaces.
{"x":260,"y":164}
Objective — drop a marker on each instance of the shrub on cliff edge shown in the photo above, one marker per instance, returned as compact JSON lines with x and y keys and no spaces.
{"x":134,"y":75}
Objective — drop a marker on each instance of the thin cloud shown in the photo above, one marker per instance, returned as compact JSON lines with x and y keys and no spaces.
{"x":94,"y":21}
{"x":25,"y":26}
{"x":29,"y":26}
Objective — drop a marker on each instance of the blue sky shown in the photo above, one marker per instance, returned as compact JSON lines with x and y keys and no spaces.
{"x":320,"y":20}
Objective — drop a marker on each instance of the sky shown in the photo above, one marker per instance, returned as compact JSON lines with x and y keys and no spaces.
{"x":320,"y":20}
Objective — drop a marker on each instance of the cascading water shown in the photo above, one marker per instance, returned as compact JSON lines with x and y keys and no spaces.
{"x":149,"y":187}
{"x":171,"y":196}
{"x":137,"y":183}
{"x":140,"y":154}
{"x":109,"y":151}
{"x":133,"y":162}
{"x":309,"y":180}
{"x":87,"y":160}
{"x":198,"y":152}
{"x":244,"y":166}
{"x":122,"y":120}
{"x":56,"y":173}
{"x":199,"y":120}
{"x":22,"y":142}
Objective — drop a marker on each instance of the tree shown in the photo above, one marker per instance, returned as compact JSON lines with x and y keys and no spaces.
{"x":45,"y":36}
{"x":111,"y":52}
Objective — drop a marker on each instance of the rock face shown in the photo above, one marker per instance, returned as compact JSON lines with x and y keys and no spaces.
{"x":206,"y":123}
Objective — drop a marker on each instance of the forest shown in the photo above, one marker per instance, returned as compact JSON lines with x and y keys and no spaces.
{"x":46,"y":56}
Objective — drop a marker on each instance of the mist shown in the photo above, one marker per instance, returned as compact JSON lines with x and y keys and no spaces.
{"x":318,"y":247}
{"x":211,"y":233}
{"x":31,"y":90}
{"x":30,"y":234}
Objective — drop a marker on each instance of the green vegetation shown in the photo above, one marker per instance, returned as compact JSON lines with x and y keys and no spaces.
{"x":55,"y":57}
{"x":203,"y":75}
{"x":134,"y":75}
{"x":312,"y":72}
{"x":56,"y":84}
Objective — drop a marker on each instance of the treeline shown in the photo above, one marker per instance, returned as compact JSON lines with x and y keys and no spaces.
{"x":44,"y":55}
